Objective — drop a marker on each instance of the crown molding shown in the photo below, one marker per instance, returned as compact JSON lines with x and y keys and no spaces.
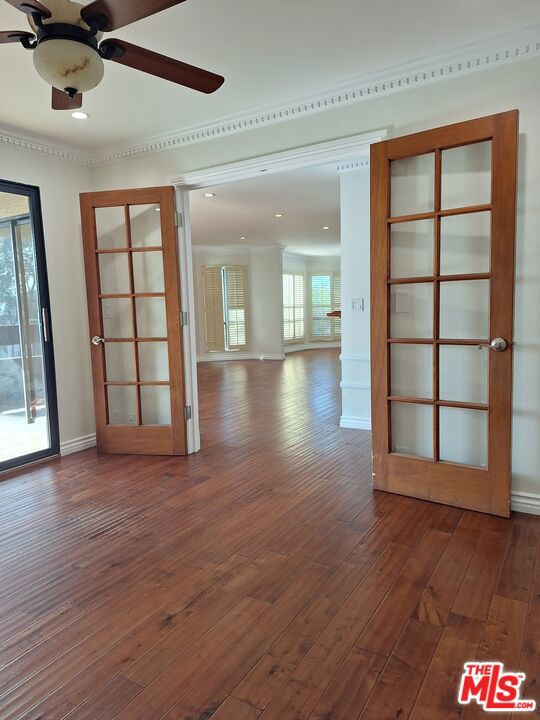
{"x":464,"y":60}
{"x":12,"y":139}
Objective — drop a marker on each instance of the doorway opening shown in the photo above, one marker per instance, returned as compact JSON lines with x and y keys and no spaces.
{"x":28,"y":408}
{"x":267,"y":275}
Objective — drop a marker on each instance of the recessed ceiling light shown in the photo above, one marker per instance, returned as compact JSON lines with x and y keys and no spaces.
{"x":243,"y":237}
{"x":326,"y":227}
{"x":80,"y":115}
{"x":278,"y":215}
{"x":209,"y":195}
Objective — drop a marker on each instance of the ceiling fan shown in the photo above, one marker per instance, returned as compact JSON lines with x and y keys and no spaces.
{"x":68,"y":50}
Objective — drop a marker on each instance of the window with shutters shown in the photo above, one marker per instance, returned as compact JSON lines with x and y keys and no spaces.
{"x":325,"y":297}
{"x":225,"y":307}
{"x":293,"y":308}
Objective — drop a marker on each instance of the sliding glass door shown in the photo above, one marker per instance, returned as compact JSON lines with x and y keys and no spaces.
{"x":28,"y":412}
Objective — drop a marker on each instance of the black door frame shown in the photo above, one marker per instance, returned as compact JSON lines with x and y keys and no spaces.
{"x":34,"y":200}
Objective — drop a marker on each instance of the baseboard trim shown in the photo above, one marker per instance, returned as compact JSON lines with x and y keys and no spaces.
{"x":78,"y":444}
{"x":310,"y":346}
{"x":221,"y":357}
{"x":526,"y":502}
{"x":355,"y":423}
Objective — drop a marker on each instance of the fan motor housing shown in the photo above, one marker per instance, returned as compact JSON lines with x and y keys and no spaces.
{"x":67,"y":56}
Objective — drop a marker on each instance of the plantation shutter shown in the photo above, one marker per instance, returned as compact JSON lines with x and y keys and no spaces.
{"x":213,"y":309}
{"x":299,"y":317}
{"x":236,"y":307}
{"x":336,"y":303}
{"x":321,"y":305}
{"x":293,"y":307}
{"x":288,"y":307}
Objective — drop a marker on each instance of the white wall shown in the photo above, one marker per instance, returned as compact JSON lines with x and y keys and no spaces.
{"x":266,"y":295}
{"x":355,"y":271}
{"x":60,"y":184}
{"x":265,"y":316}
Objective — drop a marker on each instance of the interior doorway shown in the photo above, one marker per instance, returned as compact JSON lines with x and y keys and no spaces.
{"x":28,"y":409}
{"x":267,"y":281}
{"x":346,"y":154}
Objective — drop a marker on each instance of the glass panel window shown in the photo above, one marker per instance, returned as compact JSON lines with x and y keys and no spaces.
{"x":114,"y":273}
{"x":412,"y":370}
{"x":465,"y":243}
{"x":465,"y":309}
{"x":225,"y":307}
{"x":463,"y":373}
{"x":154,"y":361}
{"x":155,"y":405}
{"x":120,"y":361}
{"x":325,"y":298}
{"x":122,"y":404}
{"x":412,"y":185}
{"x":464,"y":436}
{"x":466,"y":176}
{"x":293,"y":307}
{"x":145,"y":221}
{"x":411,"y":252}
{"x":111,"y":228}
{"x":412,"y":429}
{"x":148,"y":272}
{"x":411,"y":310}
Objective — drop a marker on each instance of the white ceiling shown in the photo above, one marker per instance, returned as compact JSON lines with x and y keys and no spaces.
{"x":269,"y":52}
{"x":308,"y":199}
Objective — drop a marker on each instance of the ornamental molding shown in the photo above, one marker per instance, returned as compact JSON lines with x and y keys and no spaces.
{"x":464,"y":60}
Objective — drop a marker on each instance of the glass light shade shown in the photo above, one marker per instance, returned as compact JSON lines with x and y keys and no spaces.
{"x":69,"y":64}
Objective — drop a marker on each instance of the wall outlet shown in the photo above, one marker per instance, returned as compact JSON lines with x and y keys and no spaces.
{"x":131,"y":418}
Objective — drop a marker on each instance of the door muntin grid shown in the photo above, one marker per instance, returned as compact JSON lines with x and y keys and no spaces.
{"x":132,"y":298}
{"x":442,"y":308}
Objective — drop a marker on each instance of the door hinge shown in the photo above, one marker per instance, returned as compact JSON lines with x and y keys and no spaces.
{"x":183,"y":318}
{"x":178,"y":219}
{"x":187,"y":413}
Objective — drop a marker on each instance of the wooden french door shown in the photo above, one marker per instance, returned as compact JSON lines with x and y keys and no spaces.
{"x":133,"y":290}
{"x":443,"y":207}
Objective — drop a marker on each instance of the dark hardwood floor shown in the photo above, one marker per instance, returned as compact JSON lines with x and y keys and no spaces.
{"x":261,"y":579}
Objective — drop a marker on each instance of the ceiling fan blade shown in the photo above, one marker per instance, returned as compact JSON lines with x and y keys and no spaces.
{"x":13,"y":36}
{"x":62,"y":101}
{"x":30,"y":6}
{"x":161,"y":66}
{"x":124,"y":12}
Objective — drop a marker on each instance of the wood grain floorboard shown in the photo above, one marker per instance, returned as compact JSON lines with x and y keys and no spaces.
{"x":261,"y":579}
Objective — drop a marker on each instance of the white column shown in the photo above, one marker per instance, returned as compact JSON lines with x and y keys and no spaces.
{"x":355,"y":273}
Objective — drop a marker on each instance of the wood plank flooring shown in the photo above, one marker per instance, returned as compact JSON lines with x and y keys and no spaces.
{"x":262,"y":579}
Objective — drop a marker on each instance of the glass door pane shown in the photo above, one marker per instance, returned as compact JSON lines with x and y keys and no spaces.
{"x":134,"y":315}
{"x":28,"y":430}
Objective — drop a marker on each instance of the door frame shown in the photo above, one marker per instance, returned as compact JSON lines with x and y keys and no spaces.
{"x":347,"y":153}
{"x":32,"y":192}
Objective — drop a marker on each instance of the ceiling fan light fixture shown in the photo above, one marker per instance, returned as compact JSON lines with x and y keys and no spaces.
{"x":68,"y":64}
